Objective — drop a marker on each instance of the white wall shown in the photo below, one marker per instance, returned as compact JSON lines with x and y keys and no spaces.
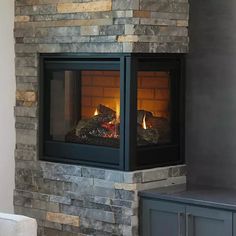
{"x":7,"y":101}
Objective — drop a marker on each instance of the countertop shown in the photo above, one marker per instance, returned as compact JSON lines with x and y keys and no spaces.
{"x":196,"y":195}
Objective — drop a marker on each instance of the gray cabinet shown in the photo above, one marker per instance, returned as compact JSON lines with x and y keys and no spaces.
{"x":201,"y":221}
{"x":166,"y":218}
{"x":162,"y":218}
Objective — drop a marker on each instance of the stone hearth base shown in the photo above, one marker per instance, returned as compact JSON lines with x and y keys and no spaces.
{"x":70,"y":200}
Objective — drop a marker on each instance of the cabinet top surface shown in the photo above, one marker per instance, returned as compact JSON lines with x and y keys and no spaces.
{"x":204,"y":196}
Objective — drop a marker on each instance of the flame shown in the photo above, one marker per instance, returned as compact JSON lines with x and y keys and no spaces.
{"x":117,"y":111}
{"x":144,"y":125}
{"x":96,"y":112}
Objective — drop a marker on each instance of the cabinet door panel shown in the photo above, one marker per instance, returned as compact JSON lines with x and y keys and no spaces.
{"x":206,"y":222}
{"x":234,"y":224}
{"x":160,"y":218}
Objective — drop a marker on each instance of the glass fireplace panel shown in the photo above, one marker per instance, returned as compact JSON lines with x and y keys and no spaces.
{"x":64,"y":107}
{"x":153,"y":105}
{"x":85,"y":107}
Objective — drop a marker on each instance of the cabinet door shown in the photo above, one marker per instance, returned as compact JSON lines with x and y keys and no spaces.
{"x":202,"y":221}
{"x":162,"y":218}
{"x":234,"y":224}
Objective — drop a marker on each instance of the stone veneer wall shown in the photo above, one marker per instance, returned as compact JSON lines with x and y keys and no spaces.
{"x":101,"y":26}
{"x":72,"y":200}
{"x":48,"y":26}
{"x":69,"y":200}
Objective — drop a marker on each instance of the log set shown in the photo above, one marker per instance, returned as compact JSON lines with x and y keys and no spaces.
{"x":103,"y":129}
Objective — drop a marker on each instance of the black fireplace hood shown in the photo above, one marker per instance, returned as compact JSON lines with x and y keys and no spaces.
{"x":119,"y":111}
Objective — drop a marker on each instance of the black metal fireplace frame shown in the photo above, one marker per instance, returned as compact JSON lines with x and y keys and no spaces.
{"x":128,"y":156}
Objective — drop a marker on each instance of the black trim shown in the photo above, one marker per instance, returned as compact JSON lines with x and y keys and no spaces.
{"x":128,"y":156}
{"x":82,"y":152}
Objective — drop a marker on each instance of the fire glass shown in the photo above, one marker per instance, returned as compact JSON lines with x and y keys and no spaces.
{"x":85,"y":107}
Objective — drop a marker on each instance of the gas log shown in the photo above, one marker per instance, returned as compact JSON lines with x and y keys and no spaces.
{"x":104,"y":129}
{"x":101,"y":129}
{"x":158,"y":125}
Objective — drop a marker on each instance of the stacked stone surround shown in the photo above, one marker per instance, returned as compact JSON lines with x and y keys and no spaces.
{"x":101,"y":26}
{"x":69,"y":200}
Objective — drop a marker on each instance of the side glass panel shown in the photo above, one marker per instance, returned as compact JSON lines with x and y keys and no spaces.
{"x":153,"y":108}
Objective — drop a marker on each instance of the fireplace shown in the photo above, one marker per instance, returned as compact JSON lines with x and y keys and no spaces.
{"x":120,"y":111}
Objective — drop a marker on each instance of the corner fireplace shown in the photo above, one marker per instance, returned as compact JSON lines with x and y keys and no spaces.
{"x":120,"y":111}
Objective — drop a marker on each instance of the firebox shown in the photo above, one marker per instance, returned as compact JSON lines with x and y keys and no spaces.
{"x":120,"y":111}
